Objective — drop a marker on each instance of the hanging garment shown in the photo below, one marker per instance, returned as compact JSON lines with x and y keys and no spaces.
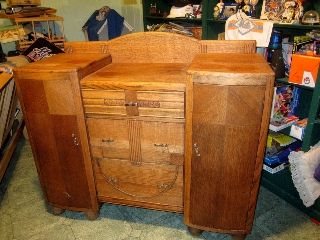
{"x":303,"y":166}
{"x":98,"y":19}
{"x":241,"y":27}
{"x":115,"y":24}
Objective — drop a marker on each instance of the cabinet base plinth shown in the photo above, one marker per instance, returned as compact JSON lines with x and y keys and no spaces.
{"x":56,"y":210}
{"x":194,"y":231}
{"x":91,"y":214}
{"x":239,"y":237}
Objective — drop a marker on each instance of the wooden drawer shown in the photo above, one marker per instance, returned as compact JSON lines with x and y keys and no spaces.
{"x":134,"y":103}
{"x":140,"y":141}
{"x":158,"y":186}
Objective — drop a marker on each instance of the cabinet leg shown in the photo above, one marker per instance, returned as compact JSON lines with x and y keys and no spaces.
{"x":195,"y":232}
{"x":239,"y":237}
{"x":91,"y":214}
{"x":56,"y":210}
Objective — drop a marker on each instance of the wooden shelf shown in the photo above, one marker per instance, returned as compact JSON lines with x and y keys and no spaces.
{"x":9,"y":141}
{"x":8,"y":151}
{"x":281,"y":184}
{"x":4,"y":79}
{"x":285,"y":81}
{"x":48,"y":24}
{"x":38,"y":19}
{"x":189,"y":20}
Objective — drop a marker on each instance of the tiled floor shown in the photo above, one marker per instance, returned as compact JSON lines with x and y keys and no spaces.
{"x":23,"y":215}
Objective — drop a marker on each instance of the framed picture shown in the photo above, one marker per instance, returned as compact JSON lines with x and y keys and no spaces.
{"x":272,"y":9}
{"x":228,"y":10}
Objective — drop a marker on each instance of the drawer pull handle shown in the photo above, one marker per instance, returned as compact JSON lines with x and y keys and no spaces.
{"x":131,"y":104}
{"x":112,"y":180}
{"x":165,"y":146}
{"x":161,"y":145}
{"x":196,"y":149}
{"x":109,"y":140}
{"x":163,"y":186}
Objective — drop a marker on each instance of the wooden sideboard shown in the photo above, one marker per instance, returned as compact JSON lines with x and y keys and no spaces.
{"x":154,"y":120}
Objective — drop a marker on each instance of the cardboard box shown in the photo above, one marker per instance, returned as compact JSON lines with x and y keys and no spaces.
{"x":298,"y":128}
{"x":304,"y":70}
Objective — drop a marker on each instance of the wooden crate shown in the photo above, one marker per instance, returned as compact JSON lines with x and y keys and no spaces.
{"x":23,"y":2}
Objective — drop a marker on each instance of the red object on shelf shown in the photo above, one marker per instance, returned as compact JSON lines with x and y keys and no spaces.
{"x":315,"y":221}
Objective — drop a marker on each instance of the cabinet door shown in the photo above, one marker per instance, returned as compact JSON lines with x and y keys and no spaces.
{"x":53,"y":127}
{"x":225,"y":138}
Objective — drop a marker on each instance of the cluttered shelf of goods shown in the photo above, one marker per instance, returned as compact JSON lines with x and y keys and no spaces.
{"x":30,"y":22}
{"x":28,"y":26}
{"x":183,"y":17}
{"x":11,"y":119}
{"x":287,"y":34}
{"x":292,"y":159}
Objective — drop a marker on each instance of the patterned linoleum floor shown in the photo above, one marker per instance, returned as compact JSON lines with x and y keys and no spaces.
{"x":23,"y":215}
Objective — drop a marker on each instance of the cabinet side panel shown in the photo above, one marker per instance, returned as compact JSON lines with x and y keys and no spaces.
{"x":71,"y":160}
{"x":53,"y":127}
{"x":59,"y":96}
{"x":33,"y":95}
{"x":224,"y":154}
{"x":45,"y":155}
{"x":35,"y":107}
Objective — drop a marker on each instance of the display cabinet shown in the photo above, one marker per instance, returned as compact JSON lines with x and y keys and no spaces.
{"x":49,"y":27}
{"x":162,"y":9}
{"x":211,"y":27}
{"x":11,"y":120}
{"x":281,"y":182}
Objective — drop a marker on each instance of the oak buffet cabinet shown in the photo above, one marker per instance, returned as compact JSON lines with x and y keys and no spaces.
{"x":153,"y":120}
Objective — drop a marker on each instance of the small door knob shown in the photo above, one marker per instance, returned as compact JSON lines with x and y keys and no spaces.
{"x":75,"y":139}
{"x":196,"y":149}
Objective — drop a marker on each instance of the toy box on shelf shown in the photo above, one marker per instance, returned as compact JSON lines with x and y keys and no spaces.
{"x":304,"y":69}
{"x":278,"y":149}
{"x":285,"y":103}
{"x":298,"y":129}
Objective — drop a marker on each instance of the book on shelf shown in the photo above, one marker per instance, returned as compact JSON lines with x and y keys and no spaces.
{"x":275,"y":168}
{"x":276,"y":156}
{"x":277,"y":125}
{"x":279,"y":139}
{"x":284,"y":107}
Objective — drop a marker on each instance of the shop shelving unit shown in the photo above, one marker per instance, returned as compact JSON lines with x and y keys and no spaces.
{"x":281,"y":182}
{"x":47,"y":25}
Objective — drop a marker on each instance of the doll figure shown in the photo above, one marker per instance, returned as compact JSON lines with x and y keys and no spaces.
{"x":247,"y":8}
{"x":217,"y":10}
{"x":289,"y":11}
{"x":239,"y":2}
{"x":220,"y":5}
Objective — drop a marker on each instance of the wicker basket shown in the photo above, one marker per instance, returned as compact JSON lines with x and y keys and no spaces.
{"x":23,"y":2}
{"x":197,"y":32}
